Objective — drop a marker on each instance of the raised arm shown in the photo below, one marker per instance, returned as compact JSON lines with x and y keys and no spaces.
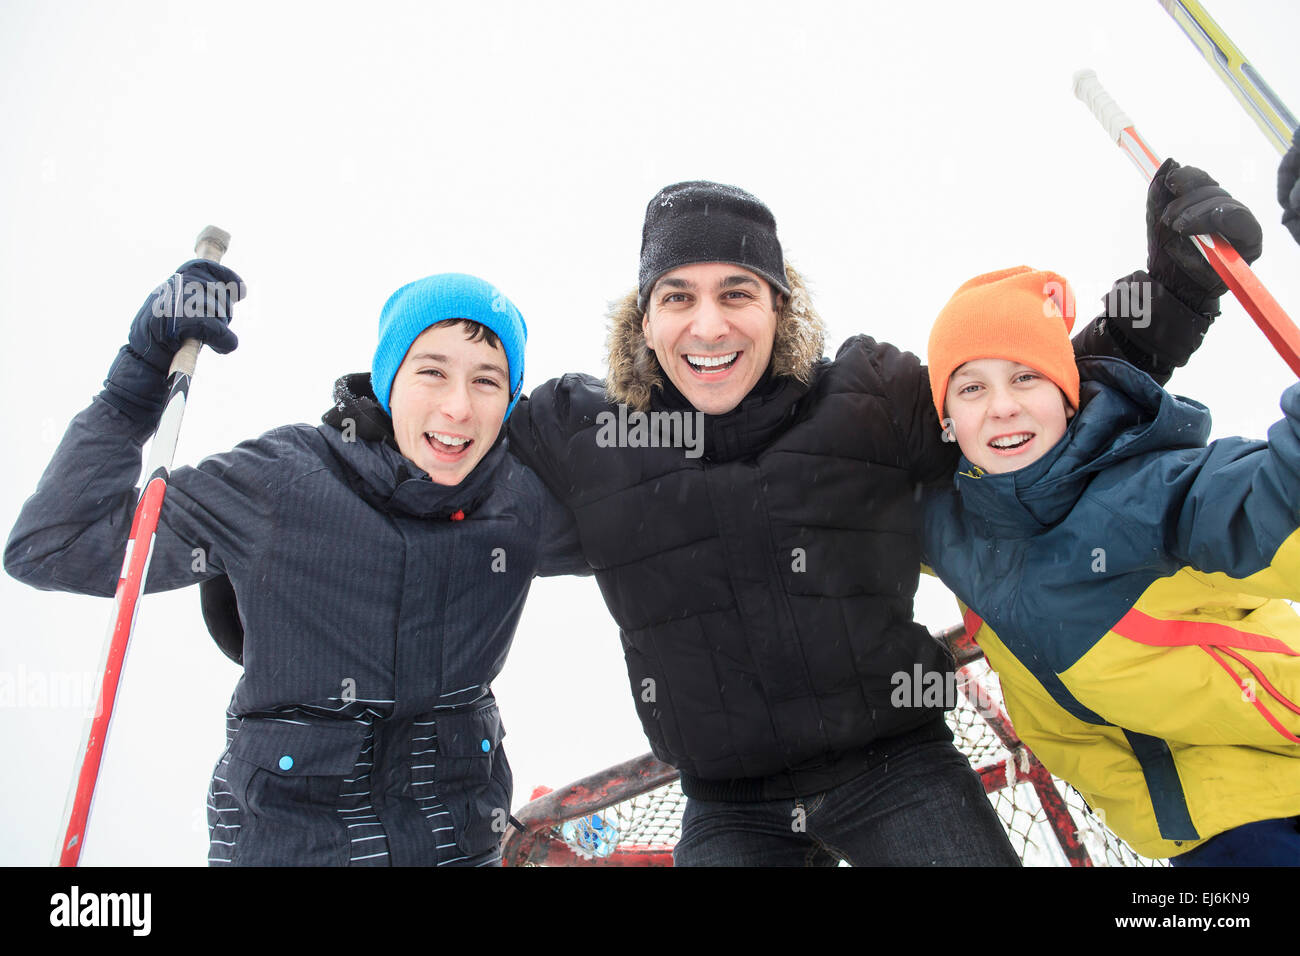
{"x":1156,"y":319}
{"x":1239,"y":511}
{"x":71,"y":534}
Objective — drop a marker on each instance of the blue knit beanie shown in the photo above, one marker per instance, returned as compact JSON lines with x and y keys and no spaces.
{"x":422,"y":303}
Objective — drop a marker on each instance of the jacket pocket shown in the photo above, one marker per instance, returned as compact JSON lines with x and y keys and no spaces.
{"x":473,"y":777}
{"x":286,"y":776}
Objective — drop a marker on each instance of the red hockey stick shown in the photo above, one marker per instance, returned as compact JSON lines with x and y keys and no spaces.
{"x":211,"y":244}
{"x":1232,"y":269}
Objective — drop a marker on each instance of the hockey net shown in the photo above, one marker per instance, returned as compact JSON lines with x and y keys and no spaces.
{"x":631,"y":814}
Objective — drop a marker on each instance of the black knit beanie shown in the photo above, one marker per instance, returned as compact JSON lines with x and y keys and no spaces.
{"x":708,"y":222}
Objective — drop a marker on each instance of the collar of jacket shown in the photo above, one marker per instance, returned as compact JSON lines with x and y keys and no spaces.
{"x":360,"y":434}
{"x":751,"y":426}
{"x":1123,"y":414}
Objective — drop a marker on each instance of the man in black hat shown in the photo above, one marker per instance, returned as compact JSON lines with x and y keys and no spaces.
{"x":764,"y":589}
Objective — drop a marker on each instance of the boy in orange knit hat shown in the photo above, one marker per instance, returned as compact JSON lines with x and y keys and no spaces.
{"x":1010,"y":326}
{"x":1129,"y":580}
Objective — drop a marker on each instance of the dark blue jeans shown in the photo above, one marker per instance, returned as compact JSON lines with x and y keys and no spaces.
{"x":923,"y":807}
{"x":1263,"y":843}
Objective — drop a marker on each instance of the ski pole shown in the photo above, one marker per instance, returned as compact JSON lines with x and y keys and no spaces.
{"x":1226,"y":261}
{"x":211,"y":244}
{"x":1242,"y":80}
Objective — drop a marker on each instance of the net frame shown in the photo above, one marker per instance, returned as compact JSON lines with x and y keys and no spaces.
{"x":630,"y":814}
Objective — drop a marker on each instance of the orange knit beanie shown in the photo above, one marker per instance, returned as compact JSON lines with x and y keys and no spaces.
{"x":1016,"y":314}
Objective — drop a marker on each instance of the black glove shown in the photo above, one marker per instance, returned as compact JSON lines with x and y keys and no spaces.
{"x":1184,"y":201}
{"x":1146,"y":325}
{"x":1288,"y":187}
{"x":194,"y":303}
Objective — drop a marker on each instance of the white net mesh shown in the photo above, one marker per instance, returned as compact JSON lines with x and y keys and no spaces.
{"x":1018,"y":804}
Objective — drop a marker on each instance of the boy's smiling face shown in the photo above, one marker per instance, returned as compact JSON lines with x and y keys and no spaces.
{"x":1005,"y":415}
{"x":449,"y":398}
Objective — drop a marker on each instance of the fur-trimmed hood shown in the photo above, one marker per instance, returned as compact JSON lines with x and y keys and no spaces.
{"x":633,"y":371}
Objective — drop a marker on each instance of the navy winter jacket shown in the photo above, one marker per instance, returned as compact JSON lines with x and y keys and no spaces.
{"x":363,"y":730}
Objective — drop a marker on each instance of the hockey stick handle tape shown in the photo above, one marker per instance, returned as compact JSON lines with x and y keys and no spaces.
{"x":211,"y":244}
{"x":1094,"y":95}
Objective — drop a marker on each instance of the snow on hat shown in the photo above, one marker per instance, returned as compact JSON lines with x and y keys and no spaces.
{"x":1017,"y":314}
{"x":451,"y":295}
{"x":708,"y":222}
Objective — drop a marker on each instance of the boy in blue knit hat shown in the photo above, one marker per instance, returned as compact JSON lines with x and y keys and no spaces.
{"x":449,"y":368}
{"x":379,"y":563}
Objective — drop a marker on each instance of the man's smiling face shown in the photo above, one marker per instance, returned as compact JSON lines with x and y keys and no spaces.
{"x":712,"y":326}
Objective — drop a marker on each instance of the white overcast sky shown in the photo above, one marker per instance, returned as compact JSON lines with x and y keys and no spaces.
{"x":350,"y":148}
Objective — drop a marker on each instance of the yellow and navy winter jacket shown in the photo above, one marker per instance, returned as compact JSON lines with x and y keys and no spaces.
{"x":1131,"y":586}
